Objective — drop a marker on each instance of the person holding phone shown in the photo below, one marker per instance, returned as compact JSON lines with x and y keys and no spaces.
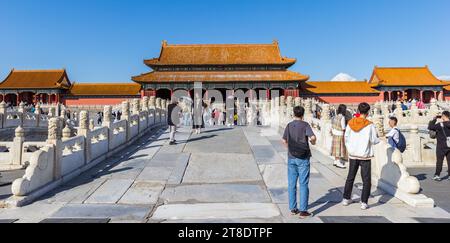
{"x":441,"y":126}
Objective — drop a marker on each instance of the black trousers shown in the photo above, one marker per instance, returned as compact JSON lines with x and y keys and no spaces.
{"x":441,"y":154}
{"x":366,"y":174}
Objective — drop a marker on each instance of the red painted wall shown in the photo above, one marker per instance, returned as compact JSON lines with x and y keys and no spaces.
{"x":93,"y":101}
{"x":349,"y":99}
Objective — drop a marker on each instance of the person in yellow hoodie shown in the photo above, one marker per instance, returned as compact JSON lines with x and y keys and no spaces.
{"x":360,"y":137}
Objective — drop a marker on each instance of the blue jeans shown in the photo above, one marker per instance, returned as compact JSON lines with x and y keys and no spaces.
{"x":298,"y":171}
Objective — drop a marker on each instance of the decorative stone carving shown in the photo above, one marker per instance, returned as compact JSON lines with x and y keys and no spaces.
{"x":289,"y":101}
{"x":66,"y":133}
{"x":21,"y":107}
{"x":298,"y":101}
{"x":125,"y":110}
{"x":145,"y":102}
{"x":19,"y":132}
{"x":326,"y":112}
{"x":158,"y":103}
{"x":308,"y":107}
{"x":135,"y":107}
{"x":282,"y":100}
{"x":379,"y":124}
{"x":152,"y":102}
{"x":2,"y":107}
{"x":54,"y":129}
{"x":107,"y":114}
{"x":84,"y":120}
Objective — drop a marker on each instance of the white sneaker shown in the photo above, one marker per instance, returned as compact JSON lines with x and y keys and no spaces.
{"x":346,"y":202}
{"x":339,"y":164}
{"x":364,"y":206}
{"x":437,"y":178}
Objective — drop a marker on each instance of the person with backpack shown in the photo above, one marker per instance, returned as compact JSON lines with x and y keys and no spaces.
{"x":360,"y":137}
{"x":297,"y":136}
{"x":395,"y":137}
{"x":440,"y":126}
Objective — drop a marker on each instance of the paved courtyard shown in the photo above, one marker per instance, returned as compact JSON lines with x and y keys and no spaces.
{"x":223,"y":175}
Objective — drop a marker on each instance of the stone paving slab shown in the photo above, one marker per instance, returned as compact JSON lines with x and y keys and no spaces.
{"x":162,"y":159}
{"x":432,"y":220}
{"x":219,"y":141}
{"x":75,"y":193}
{"x":33,"y":213}
{"x":439,"y":191}
{"x":142,"y":193}
{"x":355,"y":219}
{"x":179,"y":171}
{"x":275,"y":220}
{"x":216,"y":211}
{"x":110,"y":192}
{"x":280,"y":195}
{"x":221,"y":168}
{"x":217,"y":193}
{"x":155,"y":174}
{"x":8,"y":221}
{"x":75,"y":221}
{"x":114,"y":212}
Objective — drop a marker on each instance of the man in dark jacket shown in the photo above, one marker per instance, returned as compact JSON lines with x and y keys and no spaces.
{"x":173,"y":119}
{"x":441,"y":125}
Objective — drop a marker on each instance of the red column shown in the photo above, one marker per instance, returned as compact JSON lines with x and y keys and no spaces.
{"x":421,"y":95}
{"x":268,"y":94}
{"x":18,"y":98}
{"x":435,"y":95}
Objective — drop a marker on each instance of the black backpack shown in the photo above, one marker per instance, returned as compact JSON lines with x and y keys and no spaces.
{"x":299,"y":150}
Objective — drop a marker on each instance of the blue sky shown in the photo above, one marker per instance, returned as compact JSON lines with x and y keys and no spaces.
{"x":107,"y":40}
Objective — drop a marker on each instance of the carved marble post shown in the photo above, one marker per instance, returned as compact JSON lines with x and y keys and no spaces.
{"x":416,"y":144}
{"x":2,"y":113}
{"x":152,"y":102}
{"x":21,"y":108}
{"x":298,"y":101}
{"x":17,"y":148}
{"x":158,"y":110}
{"x":107,"y":116}
{"x":326,"y":112}
{"x":308,"y":109}
{"x":399,"y":111}
{"x":54,"y":138}
{"x":434,"y":109}
{"x":125,"y":110}
{"x":83,"y":130}
{"x":126,"y":117}
{"x":289,"y":108}
{"x":379,"y":124}
{"x":66,"y":133}
{"x":144,"y":104}
{"x":135,"y":107}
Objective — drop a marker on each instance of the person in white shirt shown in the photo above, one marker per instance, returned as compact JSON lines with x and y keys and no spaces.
{"x":394,"y":133}
{"x":360,"y":138}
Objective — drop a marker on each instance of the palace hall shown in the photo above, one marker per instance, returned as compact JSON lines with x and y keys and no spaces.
{"x":258,"y":67}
